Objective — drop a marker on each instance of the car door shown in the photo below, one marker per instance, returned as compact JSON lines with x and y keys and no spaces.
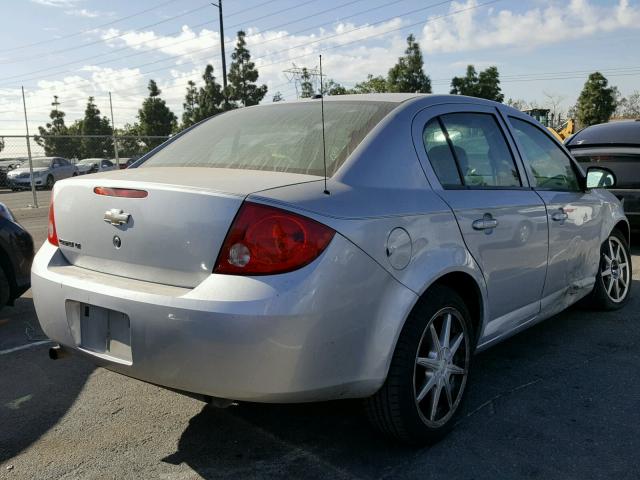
{"x":66,"y":167}
{"x":106,"y":165}
{"x":472,"y":165}
{"x":575,"y":215}
{"x":55,"y":169}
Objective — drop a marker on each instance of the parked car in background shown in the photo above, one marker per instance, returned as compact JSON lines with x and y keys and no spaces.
{"x":6,"y":165}
{"x":126,"y":162}
{"x":616,"y":146}
{"x":94,"y":165}
{"x":235,"y":263}
{"x":46,"y":172}
{"x":16,"y":255}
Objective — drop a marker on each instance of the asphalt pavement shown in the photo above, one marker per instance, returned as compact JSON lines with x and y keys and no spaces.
{"x":560,"y":400}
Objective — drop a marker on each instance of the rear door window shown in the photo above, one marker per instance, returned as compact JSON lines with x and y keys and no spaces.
{"x":470,"y":149}
{"x":440,"y":155}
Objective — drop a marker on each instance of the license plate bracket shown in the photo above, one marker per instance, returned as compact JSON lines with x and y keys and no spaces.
{"x":101,"y":330}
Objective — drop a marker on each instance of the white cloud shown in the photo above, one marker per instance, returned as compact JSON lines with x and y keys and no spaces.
{"x":56,"y":3}
{"x":83,"y":12}
{"x":473,"y":29}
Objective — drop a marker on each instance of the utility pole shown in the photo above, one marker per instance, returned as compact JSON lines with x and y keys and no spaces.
{"x":113,"y":129}
{"x":224,"y":59}
{"x":26,"y":125}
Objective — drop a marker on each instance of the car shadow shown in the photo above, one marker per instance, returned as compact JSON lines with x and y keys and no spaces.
{"x":540,"y":392}
{"x":35,"y":392}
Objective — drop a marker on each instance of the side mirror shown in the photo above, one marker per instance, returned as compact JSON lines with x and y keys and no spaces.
{"x":600,"y":177}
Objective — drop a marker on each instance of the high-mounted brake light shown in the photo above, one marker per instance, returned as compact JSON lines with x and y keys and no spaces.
{"x":265,"y":240}
{"x":52,"y":234}
{"x":120,"y":192}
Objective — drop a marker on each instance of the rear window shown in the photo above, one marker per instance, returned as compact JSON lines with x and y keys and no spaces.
{"x":605,"y":158}
{"x":282,"y":138}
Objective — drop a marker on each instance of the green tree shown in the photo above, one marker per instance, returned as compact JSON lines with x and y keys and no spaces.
{"x":211,"y":99}
{"x":156,"y":119}
{"x":629,"y":107}
{"x":55,"y":135}
{"x":331,"y":87}
{"x":129,"y":142}
{"x":372,"y":85}
{"x":306,"y":85}
{"x":517,"y":103}
{"x":277,"y":97}
{"x":97,"y":131}
{"x":483,"y":85}
{"x":597,"y":101}
{"x":190,"y":105}
{"x":408,"y":74}
{"x":243,"y":76}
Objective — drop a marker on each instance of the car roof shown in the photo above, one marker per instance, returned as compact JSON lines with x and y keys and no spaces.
{"x":625,"y":132}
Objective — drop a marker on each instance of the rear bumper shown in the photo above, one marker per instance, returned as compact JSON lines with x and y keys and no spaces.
{"x":323,"y":332}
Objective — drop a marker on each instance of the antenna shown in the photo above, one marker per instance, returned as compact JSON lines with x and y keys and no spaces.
{"x":324,"y":146}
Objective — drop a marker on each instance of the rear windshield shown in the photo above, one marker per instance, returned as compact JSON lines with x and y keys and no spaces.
{"x":605,"y":158}
{"x":282,"y":138}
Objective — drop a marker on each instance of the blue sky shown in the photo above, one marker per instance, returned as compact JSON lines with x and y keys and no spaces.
{"x":77,"y":48}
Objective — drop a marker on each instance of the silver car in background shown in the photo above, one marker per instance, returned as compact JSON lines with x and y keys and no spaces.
{"x":46,"y":172}
{"x":94,"y":165}
{"x":228,"y":265}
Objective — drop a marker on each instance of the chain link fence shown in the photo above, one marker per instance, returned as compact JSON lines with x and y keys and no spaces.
{"x":21,"y":154}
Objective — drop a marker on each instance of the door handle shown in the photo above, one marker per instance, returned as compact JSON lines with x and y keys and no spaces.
{"x":559,"y":216}
{"x":486,"y":223}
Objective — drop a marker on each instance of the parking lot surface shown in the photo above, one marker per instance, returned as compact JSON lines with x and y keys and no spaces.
{"x":561,"y":400}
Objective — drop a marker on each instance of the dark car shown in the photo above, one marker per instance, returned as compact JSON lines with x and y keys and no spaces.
{"x":615,"y":146}
{"x":16,"y":255}
{"x":6,"y":166}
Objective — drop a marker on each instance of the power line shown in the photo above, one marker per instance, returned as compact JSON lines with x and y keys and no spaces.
{"x":104,"y":40}
{"x":82,"y":32}
{"x":95,"y":42}
{"x":193,"y":62}
{"x":230,"y":42}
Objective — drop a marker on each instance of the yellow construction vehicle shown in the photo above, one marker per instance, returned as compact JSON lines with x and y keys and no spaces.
{"x":565,"y":130}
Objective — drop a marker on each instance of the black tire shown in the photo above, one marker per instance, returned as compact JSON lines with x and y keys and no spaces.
{"x":50,"y":182}
{"x":5,"y":289}
{"x":603,"y":296}
{"x":396,"y":409}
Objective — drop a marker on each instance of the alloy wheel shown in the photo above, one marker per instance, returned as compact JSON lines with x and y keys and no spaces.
{"x":614,"y":270}
{"x":441,"y":367}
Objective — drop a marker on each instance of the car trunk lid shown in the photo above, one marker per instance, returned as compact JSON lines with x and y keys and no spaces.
{"x":172,"y":235}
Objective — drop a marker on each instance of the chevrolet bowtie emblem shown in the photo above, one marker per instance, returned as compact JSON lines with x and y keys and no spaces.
{"x":116,"y":216}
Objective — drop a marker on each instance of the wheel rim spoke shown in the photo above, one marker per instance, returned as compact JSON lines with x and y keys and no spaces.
{"x":456,"y":344}
{"x":446,"y":331}
{"x":435,"y":400}
{"x":426,"y":388}
{"x":427,"y":362}
{"x":610,"y":287}
{"x":606,"y":273}
{"x":456,"y":370}
{"x":434,"y":338}
{"x":611,"y":249}
{"x":447,"y":391}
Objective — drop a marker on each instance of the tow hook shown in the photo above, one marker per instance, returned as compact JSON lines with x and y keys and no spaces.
{"x":57,"y":352}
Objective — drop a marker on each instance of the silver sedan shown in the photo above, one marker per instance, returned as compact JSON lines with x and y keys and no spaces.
{"x":46,"y":171}
{"x":265,"y":256}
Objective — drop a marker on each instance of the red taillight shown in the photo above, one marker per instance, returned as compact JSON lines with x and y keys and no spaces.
{"x":52,"y":235}
{"x":265,"y":240}
{"x":120,"y":192}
